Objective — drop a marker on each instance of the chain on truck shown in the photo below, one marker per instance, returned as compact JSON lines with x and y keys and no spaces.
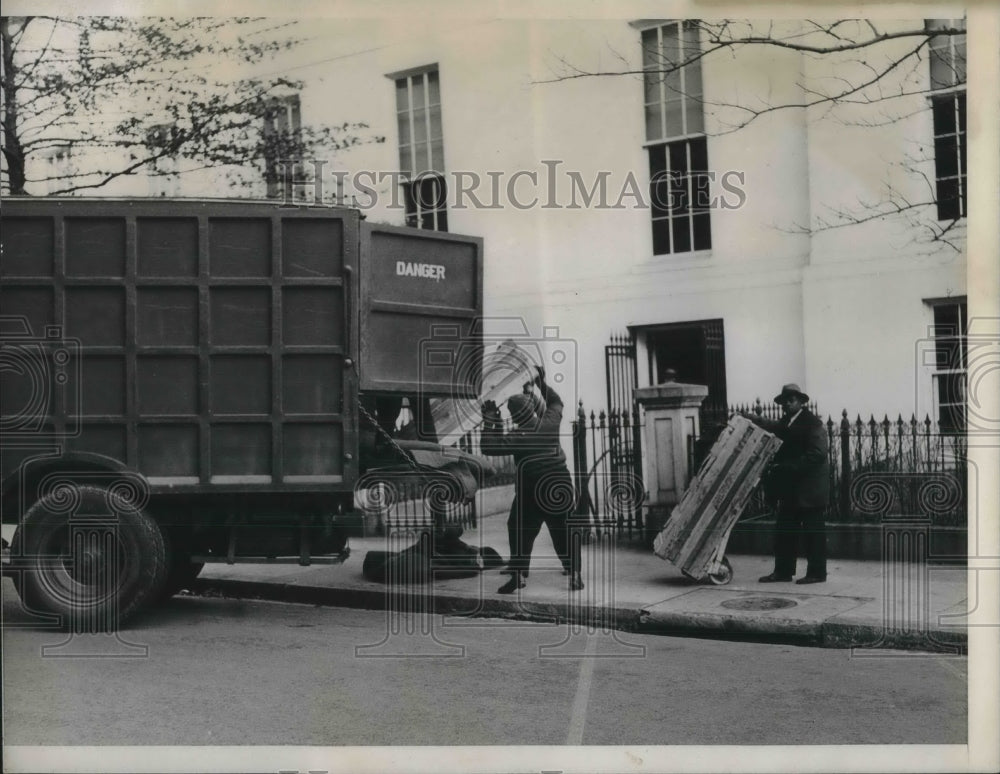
{"x":186,"y":382}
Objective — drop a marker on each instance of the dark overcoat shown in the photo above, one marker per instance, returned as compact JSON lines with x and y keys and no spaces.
{"x":799,"y":474}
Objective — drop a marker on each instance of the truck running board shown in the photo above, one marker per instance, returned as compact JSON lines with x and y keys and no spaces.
{"x":336,"y":559}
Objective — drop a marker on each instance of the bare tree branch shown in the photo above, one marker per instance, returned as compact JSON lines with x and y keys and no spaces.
{"x":98,"y":85}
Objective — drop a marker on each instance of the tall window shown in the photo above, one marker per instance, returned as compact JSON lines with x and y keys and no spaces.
{"x":947,"y":63}
{"x":421,"y":149}
{"x":950,"y":362}
{"x":282,"y":145}
{"x":675,"y":138}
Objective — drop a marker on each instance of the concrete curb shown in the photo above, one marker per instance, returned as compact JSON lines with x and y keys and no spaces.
{"x":860,"y":635}
{"x":620,"y":618}
{"x":843,"y":633}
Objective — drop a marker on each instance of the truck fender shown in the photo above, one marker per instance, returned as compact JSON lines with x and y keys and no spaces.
{"x":18,"y":490}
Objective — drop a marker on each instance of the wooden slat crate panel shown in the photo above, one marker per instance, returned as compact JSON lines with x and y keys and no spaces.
{"x":716,"y":496}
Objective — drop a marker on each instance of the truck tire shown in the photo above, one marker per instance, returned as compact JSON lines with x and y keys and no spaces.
{"x":92,"y":564}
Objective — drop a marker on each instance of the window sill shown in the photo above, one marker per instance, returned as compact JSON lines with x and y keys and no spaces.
{"x":674,"y":262}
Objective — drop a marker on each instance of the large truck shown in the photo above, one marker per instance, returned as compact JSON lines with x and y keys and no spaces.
{"x":212,"y":381}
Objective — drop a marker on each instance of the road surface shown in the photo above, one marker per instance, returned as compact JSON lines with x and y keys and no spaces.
{"x":207,"y":671}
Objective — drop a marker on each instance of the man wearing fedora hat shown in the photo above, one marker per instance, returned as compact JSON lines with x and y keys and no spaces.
{"x":799,"y":479}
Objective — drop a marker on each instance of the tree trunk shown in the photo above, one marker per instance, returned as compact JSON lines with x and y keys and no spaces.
{"x":12,"y":150}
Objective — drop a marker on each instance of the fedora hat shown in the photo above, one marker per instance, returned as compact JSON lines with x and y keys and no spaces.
{"x":791,"y":391}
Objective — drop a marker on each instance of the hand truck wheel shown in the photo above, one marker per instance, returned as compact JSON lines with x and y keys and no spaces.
{"x":724,"y":575}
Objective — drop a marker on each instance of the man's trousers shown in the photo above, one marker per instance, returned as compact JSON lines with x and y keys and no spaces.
{"x":793,"y":527}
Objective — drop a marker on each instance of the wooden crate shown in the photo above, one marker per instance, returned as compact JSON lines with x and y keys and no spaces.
{"x":697,"y":531}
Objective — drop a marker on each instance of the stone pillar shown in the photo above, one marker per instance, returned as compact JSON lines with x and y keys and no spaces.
{"x":671,"y":411}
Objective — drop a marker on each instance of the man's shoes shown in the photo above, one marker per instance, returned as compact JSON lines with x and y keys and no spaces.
{"x":508,"y":570}
{"x":516,"y":582}
{"x":575,"y":582}
{"x":775,"y":578}
{"x":810,"y":579}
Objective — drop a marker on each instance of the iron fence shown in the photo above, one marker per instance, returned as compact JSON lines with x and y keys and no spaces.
{"x":878,"y":468}
{"x":607,"y":466}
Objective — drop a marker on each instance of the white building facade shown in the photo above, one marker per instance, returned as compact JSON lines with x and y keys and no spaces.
{"x":745,"y":288}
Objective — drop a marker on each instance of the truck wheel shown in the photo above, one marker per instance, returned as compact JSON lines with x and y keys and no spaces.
{"x":89,"y":558}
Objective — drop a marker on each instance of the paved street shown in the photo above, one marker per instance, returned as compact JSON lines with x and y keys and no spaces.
{"x":228,"y":672}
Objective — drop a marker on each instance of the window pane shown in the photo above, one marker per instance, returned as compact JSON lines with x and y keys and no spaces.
{"x":434,"y":90}
{"x":442,"y":194}
{"x":427,"y":220}
{"x":402,"y":102}
{"x":692,"y":71}
{"x":940,"y":71}
{"x":419,"y":97}
{"x":436,"y":122}
{"x":944,"y":115}
{"x":672,"y":88}
{"x":701,"y":191}
{"x":406,"y":160}
{"x":671,"y":45}
{"x":675,"y":125}
{"x":678,"y":157}
{"x":948,"y":353}
{"x":946,"y":321}
{"x":661,"y":237}
{"x":961,"y":113}
{"x":419,"y":125}
{"x":442,"y":220}
{"x":409,"y":200}
{"x":702,"y":231}
{"x":428,"y":193}
{"x":945,"y":157}
{"x":699,"y":154}
{"x":422,"y":158}
{"x":681,"y":234}
{"x":659,"y":196}
{"x":403,"y":122}
{"x":680,"y":195}
{"x":650,"y":53}
{"x":695,"y":117}
{"x":654,"y":130}
{"x":948,"y":200}
{"x":437,"y":156}
{"x":951,"y":417}
{"x":657,"y":160}
{"x":651,"y":87}
{"x":951,"y":388}
{"x":959,"y":61}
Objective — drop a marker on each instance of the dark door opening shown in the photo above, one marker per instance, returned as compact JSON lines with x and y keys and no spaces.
{"x":696,"y":352}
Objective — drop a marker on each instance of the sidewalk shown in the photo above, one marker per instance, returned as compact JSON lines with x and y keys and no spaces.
{"x":628,"y":588}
